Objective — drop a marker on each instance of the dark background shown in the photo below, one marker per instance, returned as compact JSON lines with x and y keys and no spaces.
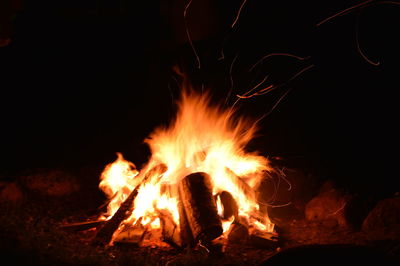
{"x":82,"y":80}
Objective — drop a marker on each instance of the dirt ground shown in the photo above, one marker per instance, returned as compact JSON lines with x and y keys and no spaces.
{"x":31,"y":233}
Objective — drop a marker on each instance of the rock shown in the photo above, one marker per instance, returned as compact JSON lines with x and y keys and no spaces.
{"x":385,"y":214}
{"x":328,"y":207}
{"x":47,"y":182}
{"x":286,"y":193}
{"x":328,"y":255}
{"x":11,"y":193}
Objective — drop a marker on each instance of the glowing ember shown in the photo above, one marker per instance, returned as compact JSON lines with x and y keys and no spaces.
{"x":202,"y":138}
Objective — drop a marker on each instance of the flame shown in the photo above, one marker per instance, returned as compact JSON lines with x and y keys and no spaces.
{"x":117,"y":180}
{"x":202,"y":138}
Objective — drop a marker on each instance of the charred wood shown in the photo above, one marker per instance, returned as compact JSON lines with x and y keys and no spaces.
{"x":238,"y":233}
{"x":105,"y":233}
{"x":241,"y":184}
{"x":82,"y":226}
{"x":186,"y":235}
{"x":132,"y":235}
{"x":170,"y":230}
{"x":263,"y":240}
{"x":230,"y":207}
{"x":199,"y":206}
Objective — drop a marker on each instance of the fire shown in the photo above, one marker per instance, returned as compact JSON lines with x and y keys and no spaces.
{"x":202,"y":138}
{"x":117,"y":180}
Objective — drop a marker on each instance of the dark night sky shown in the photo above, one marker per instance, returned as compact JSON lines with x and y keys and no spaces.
{"x":81,"y":82}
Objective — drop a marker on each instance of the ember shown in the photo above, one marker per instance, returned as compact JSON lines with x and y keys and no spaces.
{"x":197,"y":183}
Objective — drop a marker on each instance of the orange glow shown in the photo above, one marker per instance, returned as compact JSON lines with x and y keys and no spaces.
{"x":117,"y":180}
{"x":202,"y":138}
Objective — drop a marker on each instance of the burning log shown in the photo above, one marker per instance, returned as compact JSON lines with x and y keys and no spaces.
{"x":238,"y":233}
{"x":170,"y":230}
{"x":242,"y":185}
{"x":229,"y":205}
{"x":186,"y":235}
{"x":263,"y":240}
{"x":132,"y":235}
{"x":106,"y":232}
{"x":199,"y":206}
{"x":82,"y":226}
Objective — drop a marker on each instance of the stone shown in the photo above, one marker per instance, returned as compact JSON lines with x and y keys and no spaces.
{"x":385,"y":214}
{"x":328,"y":207}
{"x":285,"y":194}
{"x":47,"y":182}
{"x":11,"y":193}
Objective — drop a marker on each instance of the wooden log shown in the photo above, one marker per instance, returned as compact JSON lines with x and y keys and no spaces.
{"x":198,"y":203}
{"x":238,"y":233}
{"x":241,"y":184}
{"x":185,"y":232}
{"x":229,"y":205}
{"x":82,"y":226}
{"x":263,"y":240}
{"x":170,"y":230}
{"x":105,"y":233}
{"x":132,"y":236}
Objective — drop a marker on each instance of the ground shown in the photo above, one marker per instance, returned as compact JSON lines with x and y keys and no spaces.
{"x":31,"y":233}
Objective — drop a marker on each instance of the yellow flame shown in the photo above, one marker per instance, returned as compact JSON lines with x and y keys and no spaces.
{"x":117,"y":180}
{"x":202,"y":138}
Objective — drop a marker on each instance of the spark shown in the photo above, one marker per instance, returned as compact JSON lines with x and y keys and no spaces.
{"x":358,"y":45}
{"x":170,"y":89}
{"x":260,"y":92}
{"x":283,"y":176}
{"x":231,"y":77}
{"x":343,"y":12}
{"x":238,"y":14}
{"x":338,"y":210}
{"x":360,"y":5}
{"x":277,"y":54}
{"x":222,"y":57}
{"x":285,"y":94}
{"x":280,"y":205}
{"x":276,"y":104}
{"x":188,"y":34}
{"x":245,"y":95}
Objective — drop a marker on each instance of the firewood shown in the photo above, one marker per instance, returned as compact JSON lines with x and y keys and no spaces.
{"x":186,"y":235}
{"x":241,"y":184}
{"x":200,"y":208}
{"x":170,"y":230}
{"x":229,"y":205}
{"x":238,"y":233}
{"x":82,"y":226}
{"x":105,"y":233}
{"x":132,"y":235}
{"x":263,"y":240}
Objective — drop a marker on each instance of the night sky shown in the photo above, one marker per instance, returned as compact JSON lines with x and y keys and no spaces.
{"x":80,"y":82}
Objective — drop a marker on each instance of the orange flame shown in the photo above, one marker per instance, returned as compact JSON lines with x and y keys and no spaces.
{"x":202,"y":138}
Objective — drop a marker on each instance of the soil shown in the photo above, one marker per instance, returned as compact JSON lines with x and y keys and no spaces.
{"x":31,"y":233}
